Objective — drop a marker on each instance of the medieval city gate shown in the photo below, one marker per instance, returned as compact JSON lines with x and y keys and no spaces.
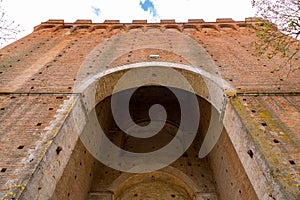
{"x":71,"y":70}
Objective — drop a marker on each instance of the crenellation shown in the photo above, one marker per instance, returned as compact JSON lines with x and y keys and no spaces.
{"x":197,"y":24}
{"x":139,"y":21}
{"x":167,"y":21}
{"x":111,"y":21}
{"x":55,"y":21}
{"x":83,"y":21}
{"x":196,"y":21}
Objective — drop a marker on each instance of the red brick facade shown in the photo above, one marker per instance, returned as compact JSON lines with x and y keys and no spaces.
{"x":39,"y":74}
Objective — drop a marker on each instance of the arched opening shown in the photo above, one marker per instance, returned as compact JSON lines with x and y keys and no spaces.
{"x":193,"y":176}
{"x":216,"y":176}
{"x":159,"y":184}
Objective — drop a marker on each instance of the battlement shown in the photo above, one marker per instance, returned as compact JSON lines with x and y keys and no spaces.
{"x":109,"y":25}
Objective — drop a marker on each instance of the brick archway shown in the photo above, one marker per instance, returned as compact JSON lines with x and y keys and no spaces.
{"x":168,"y":183}
{"x":210,"y":87}
{"x":207,"y":85}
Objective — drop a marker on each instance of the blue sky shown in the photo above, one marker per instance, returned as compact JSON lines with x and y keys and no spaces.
{"x":30,"y":13}
{"x":147,"y":5}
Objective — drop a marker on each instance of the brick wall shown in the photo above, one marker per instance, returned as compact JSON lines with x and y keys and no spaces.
{"x":42,"y":70}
